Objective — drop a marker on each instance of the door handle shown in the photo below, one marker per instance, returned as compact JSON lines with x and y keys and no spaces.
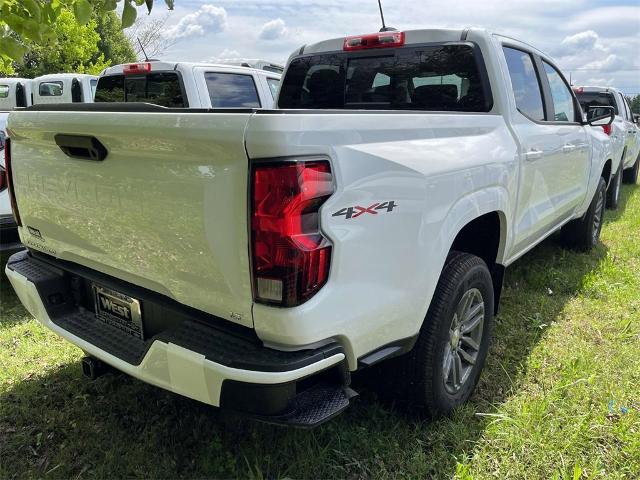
{"x":568,"y":148}
{"x":533,"y":155}
{"x":81,"y":147}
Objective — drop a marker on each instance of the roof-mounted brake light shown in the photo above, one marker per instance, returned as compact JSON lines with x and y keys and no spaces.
{"x":132,"y":68}
{"x":374,"y":40}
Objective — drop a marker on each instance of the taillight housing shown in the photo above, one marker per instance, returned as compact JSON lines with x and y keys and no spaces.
{"x":290,"y":255}
{"x":133,"y":68}
{"x":9,"y":181}
{"x":607,"y":129}
{"x":374,"y":40}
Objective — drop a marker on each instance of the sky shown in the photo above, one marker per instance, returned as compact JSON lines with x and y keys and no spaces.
{"x":597,"y":41}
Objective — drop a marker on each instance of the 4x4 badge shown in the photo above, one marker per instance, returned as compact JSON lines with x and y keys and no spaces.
{"x":357,"y":210}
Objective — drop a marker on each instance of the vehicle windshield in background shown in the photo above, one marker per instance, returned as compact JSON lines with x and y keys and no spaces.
{"x":158,"y":88}
{"x":596,"y":99}
{"x":431,"y":78}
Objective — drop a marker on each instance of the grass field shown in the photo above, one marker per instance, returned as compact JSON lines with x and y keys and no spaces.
{"x":564,"y":362}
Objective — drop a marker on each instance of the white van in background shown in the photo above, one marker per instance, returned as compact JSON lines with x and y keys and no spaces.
{"x":64,"y":88}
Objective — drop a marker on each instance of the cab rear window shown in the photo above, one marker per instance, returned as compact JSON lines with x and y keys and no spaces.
{"x":430,"y":78}
{"x":4,"y":91}
{"x":159,"y":88}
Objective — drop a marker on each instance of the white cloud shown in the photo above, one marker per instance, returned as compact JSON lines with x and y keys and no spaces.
{"x":207,"y":19}
{"x":226,"y":54}
{"x":273,"y":30}
{"x":581,"y":41}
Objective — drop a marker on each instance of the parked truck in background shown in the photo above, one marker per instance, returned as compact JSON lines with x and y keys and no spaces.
{"x":252,"y":259}
{"x":188,"y":85}
{"x":64,"y":88}
{"x":21,"y":93}
{"x":624,"y":132}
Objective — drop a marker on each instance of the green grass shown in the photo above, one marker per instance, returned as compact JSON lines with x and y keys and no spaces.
{"x":566,"y":344}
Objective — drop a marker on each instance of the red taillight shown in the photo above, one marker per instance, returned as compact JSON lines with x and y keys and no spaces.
{"x":290,"y":256}
{"x":132,"y":68}
{"x":9,"y":177}
{"x":374,"y":40}
{"x":578,"y":89}
{"x":607,"y":129}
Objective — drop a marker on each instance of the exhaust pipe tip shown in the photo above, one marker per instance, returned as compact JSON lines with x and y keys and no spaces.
{"x":93,"y":368}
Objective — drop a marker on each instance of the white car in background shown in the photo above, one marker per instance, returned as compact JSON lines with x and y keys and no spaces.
{"x":64,"y":88}
{"x":623,"y":131}
{"x":188,"y":85}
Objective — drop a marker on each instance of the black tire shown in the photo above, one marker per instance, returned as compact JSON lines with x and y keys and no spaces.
{"x":630,"y":175}
{"x":584,"y":233}
{"x":427,"y":387}
{"x":613,"y":192}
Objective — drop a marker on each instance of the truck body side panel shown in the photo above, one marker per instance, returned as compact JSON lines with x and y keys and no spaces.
{"x":440,"y":170}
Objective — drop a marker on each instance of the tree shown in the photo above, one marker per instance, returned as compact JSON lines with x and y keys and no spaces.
{"x":74,"y":50}
{"x":635,"y":104}
{"x":26,"y":21}
{"x":113,"y":43}
{"x":146,"y":37}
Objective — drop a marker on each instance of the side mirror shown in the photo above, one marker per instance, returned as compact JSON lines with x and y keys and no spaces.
{"x":600,"y":116}
{"x":636,"y":118}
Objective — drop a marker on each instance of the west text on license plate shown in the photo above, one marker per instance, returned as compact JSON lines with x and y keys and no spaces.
{"x":118,"y":310}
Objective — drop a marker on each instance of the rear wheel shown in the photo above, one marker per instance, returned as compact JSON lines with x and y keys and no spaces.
{"x":631,"y":174}
{"x":445,"y":364}
{"x":613,"y":193}
{"x":584,"y":233}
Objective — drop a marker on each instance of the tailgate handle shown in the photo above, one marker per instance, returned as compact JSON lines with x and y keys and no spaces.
{"x":82,"y":147}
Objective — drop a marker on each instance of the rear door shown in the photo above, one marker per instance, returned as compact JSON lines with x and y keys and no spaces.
{"x":166,"y":209}
{"x":629,"y":131}
{"x":554,"y":166}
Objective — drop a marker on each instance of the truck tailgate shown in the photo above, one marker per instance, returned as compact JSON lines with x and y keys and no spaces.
{"x":165,"y":210}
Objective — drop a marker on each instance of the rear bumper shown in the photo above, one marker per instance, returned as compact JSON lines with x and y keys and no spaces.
{"x":192,"y":357}
{"x":9,"y":238}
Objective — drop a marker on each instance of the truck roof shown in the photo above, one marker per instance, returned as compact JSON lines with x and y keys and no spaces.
{"x":157,"y":65}
{"x":63,"y":76}
{"x":425,"y":35}
{"x":13,"y":80}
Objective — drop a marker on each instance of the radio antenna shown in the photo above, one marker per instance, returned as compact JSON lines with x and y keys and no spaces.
{"x":146,"y":59}
{"x":384,"y":27}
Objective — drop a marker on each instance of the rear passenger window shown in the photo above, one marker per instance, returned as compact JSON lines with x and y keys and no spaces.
{"x":627,"y":112}
{"x":563,"y":106}
{"x":232,"y":90}
{"x":525,"y":84}
{"x":274,"y":85}
{"x":50,"y":89}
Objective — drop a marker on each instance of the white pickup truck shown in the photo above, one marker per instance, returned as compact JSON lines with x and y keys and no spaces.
{"x":252,"y":259}
{"x":189,"y":85}
{"x":625,"y":133}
